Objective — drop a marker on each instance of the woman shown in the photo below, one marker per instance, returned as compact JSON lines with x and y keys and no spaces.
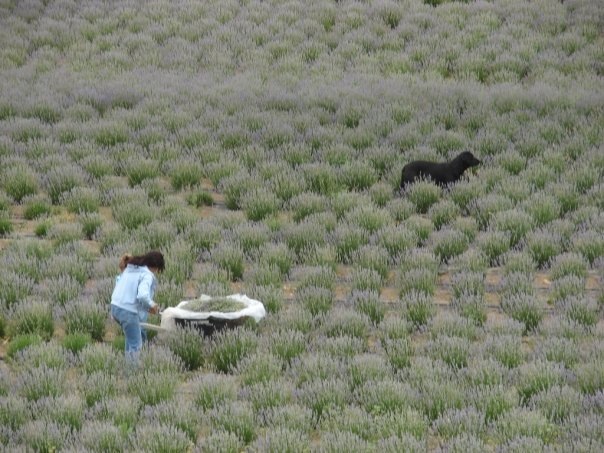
{"x":143,"y":315}
{"x":133,"y":293}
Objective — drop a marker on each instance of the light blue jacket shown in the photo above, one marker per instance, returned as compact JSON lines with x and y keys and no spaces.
{"x":134,"y":290}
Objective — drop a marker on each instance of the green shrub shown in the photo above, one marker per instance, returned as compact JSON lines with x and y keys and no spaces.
{"x":36,"y":206}
{"x":76,"y":341}
{"x":443,"y":212}
{"x":321,"y":178}
{"x":152,"y":386}
{"x":448,"y":243}
{"x":32,"y":318}
{"x":186,"y":344}
{"x":138,"y":170}
{"x":221,"y":441}
{"x":568,"y":264}
{"x":19,"y":182}
{"x":83,"y":316}
{"x":513,"y":222}
{"x":236,"y":417}
{"x":493,"y":244}
{"x":421,"y":226}
{"x":14,"y":287}
{"x":524,"y":308}
{"x":471,"y":306}
{"x":6,"y":224}
{"x":229,"y":347}
{"x":229,"y":257}
{"x":544,"y":245}
{"x":185,"y":174}
{"x":419,"y":307}
{"x":21,"y":342}
{"x":369,"y":218}
{"x":132,"y":214}
{"x":91,"y":224}
{"x":200,"y":198}
{"x":423,"y":194}
{"x":81,"y":200}
{"x":307,"y":203}
{"x":381,"y":194}
{"x":358,"y":175}
{"x":61,"y":179}
{"x":374,"y":258}
{"x":543,"y":208}
{"x":252,"y":237}
{"x":590,"y":244}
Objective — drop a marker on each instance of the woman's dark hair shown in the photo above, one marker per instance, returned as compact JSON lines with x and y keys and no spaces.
{"x":151,"y":259}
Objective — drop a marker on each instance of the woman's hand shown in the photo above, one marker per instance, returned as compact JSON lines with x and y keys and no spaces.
{"x":154,"y":310}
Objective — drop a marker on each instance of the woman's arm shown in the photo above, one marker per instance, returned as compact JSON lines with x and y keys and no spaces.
{"x":144,"y":294}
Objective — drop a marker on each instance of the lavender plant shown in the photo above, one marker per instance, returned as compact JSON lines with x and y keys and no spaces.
{"x":400,"y":209}
{"x":160,"y":438}
{"x":187,"y":345}
{"x":543,"y":208}
{"x":99,"y":357}
{"x":251,"y":236}
{"x":42,"y":381}
{"x":567,"y":264}
{"x":348,"y":239}
{"x":236,"y":417}
{"x":21,"y":342}
{"x":368,"y":218}
{"x":524,"y":422}
{"x":220,"y":441}
{"x":211,"y":391}
{"x":566,"y":287}
{"x":307,"y":203}
{"x":101,"y":436}
{"x":423,"y":195}
{"x":61,"y":179}
{"x":43,"y":435}
{"x":536,"y":377}
{"x":471,"y":306}
{"x":590,"y":244}
{"x":14,"y":287}
{"x":493,"y":244}
{"x":449,"y":324}
{"x":153,"y":387}
{"x":179,"y":413}
{"x":32,"y":317}
{"x":51,"y":355}
{"x":230,"y":257}
{"x":341,"y":321}
{"x":81,"y":200}
{"x":506,"y":349}
{"x":85,"y":317}
{"x":543,"y":245}
{"x":319,"y":395}
{"x":367,"y":302}
{"x":229,"y":347}
{"x":259,"y":204}
{"x":342,"y":346}
{"x":61,"y":290}
{"x":581,"y":310}
{"x":516,"y":223}
{"x":443,"y":213}
{"x":405,"y":442}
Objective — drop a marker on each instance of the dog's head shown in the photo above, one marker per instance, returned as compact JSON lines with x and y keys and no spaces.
{"x":469,"y":160}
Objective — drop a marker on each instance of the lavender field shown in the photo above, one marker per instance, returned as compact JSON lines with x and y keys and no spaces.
{"x":259,"y":146}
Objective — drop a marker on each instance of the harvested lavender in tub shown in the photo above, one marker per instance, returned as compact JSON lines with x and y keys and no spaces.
{"x":223,"y":305}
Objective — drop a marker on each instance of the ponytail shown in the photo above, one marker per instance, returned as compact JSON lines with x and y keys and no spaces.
{"x":152,"y":259}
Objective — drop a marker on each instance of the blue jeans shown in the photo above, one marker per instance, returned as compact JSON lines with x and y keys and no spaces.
{"x":130,"y":324}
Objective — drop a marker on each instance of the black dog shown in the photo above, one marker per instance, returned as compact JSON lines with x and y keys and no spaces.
{"x":441,"y":173}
